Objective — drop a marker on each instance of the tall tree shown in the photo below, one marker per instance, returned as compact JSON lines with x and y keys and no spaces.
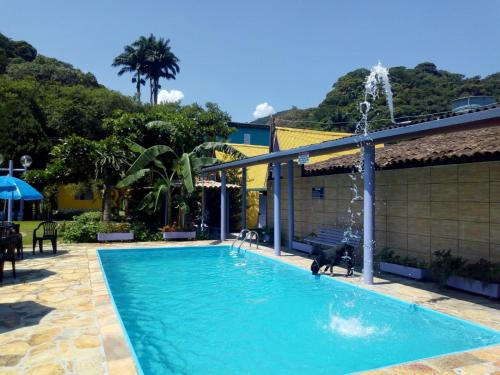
{"x":133,"y":60}
{"x":160,"y":63}
{"x":111,"y":159}
{"x":149,"y":57}
{"x":80,"y":160}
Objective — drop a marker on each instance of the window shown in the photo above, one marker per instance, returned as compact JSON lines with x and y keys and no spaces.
{"x":86,"y":196}
{"x":318,"y":193}
{"x":246,"y":138}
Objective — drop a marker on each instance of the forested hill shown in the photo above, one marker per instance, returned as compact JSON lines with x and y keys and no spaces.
{"x":43,"y":100}
{"x":417,"y":91}
{"x":19,"y":60}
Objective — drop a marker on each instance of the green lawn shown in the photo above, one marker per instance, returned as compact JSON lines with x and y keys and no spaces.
{"x":26,"y":229}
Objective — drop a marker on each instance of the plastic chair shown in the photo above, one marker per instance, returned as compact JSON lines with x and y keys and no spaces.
{"x":49,"y":233}
{"x":8,"y":253}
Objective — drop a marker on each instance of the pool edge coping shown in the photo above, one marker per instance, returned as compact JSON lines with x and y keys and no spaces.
{"x":125,"y":335}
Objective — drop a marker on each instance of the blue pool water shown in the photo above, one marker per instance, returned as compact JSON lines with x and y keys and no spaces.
{"x":205,"y":310}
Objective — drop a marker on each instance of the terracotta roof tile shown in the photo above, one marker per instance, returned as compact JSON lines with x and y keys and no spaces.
{"x":435,"y":148}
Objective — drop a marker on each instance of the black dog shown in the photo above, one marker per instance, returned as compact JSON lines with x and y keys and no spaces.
{"x":332,"y":257}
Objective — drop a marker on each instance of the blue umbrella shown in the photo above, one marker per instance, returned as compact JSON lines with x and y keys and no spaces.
{"x":7,"y":186}
{"x":22,"y":190}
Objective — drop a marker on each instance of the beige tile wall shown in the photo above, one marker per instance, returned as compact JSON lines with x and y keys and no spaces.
{"x":418,"y":210}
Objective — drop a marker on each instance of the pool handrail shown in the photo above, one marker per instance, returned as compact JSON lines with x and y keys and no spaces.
{"x":245,"y":235}
{"x":240,"y":237}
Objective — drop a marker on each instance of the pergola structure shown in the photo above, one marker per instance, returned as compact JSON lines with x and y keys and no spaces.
{"x":452,"y":122}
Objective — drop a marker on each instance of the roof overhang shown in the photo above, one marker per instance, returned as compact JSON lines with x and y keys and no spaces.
{"x":454,"y":123}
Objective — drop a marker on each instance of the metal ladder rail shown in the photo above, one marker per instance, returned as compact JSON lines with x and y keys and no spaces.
{"x":241,"y":237}
{"x":256,"y":237}
{"x":249,"y":238}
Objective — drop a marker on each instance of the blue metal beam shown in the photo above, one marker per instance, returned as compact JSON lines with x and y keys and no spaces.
{"x":456,"y":123}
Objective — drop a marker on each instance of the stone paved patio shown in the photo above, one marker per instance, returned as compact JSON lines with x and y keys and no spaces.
{"x":57,"y":318}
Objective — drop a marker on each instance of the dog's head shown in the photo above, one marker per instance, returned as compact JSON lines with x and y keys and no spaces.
{"x":315,"y":266}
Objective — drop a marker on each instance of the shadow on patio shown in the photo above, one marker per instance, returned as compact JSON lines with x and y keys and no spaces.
{"x":21,"y":314}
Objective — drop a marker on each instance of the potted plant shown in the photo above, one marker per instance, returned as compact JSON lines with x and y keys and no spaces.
{"x":481,"y":278}
{"x":407,"y":266}
{"x":175,"y":232}
{"x":115,"y":232}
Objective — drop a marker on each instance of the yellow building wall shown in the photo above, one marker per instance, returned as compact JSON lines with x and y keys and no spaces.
{"x":252,"y":209}
{"x":66,"y":200}
{"x":256,"y":179}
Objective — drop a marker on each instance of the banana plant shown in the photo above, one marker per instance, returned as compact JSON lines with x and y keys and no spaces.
{"x":166,"y":172}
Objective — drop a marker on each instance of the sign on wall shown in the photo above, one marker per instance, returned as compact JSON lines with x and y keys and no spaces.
{"x":318,"y":193}
{"x":303,"y":158}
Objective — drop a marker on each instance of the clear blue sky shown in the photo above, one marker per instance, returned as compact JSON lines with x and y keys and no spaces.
{"x":242,"y":53}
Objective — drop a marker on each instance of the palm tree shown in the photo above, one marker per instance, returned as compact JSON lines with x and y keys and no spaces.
{"x":160,"y":62}
{"x":132,"y":60}
{"x":184,"y":169}
{"x":149,"y":57}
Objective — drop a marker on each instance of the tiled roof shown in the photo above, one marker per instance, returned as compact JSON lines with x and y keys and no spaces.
{"x":482,"y":142}
{"x":289,"y":138}
{"x":439,"y":116}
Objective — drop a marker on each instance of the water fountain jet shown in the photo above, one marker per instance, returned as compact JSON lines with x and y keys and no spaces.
{"x":379,"y":75}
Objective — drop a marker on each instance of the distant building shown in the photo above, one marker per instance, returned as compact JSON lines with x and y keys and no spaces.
{"x":70,"y":201}
{"x":252,"y":140}
{"x":249,"y":134}
{"x":439,"y":192}
{"x":471,"y":103}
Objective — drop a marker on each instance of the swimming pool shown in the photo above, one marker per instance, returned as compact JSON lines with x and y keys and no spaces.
{"x":206,"y":310}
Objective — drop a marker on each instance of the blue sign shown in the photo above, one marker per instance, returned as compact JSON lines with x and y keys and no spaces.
{"x":318,"y":193}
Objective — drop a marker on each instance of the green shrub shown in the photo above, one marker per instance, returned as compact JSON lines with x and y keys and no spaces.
{"x":202,"y":235}
{"x":445,"y":265}
{"x":88,"y":217}
{"x":484,"y":271}
{"x":143,"y":233}
{"x":389,"y":256}
{"x":85,"y":227}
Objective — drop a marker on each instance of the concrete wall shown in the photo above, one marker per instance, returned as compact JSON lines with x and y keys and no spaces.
{"x":418,"y":210}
